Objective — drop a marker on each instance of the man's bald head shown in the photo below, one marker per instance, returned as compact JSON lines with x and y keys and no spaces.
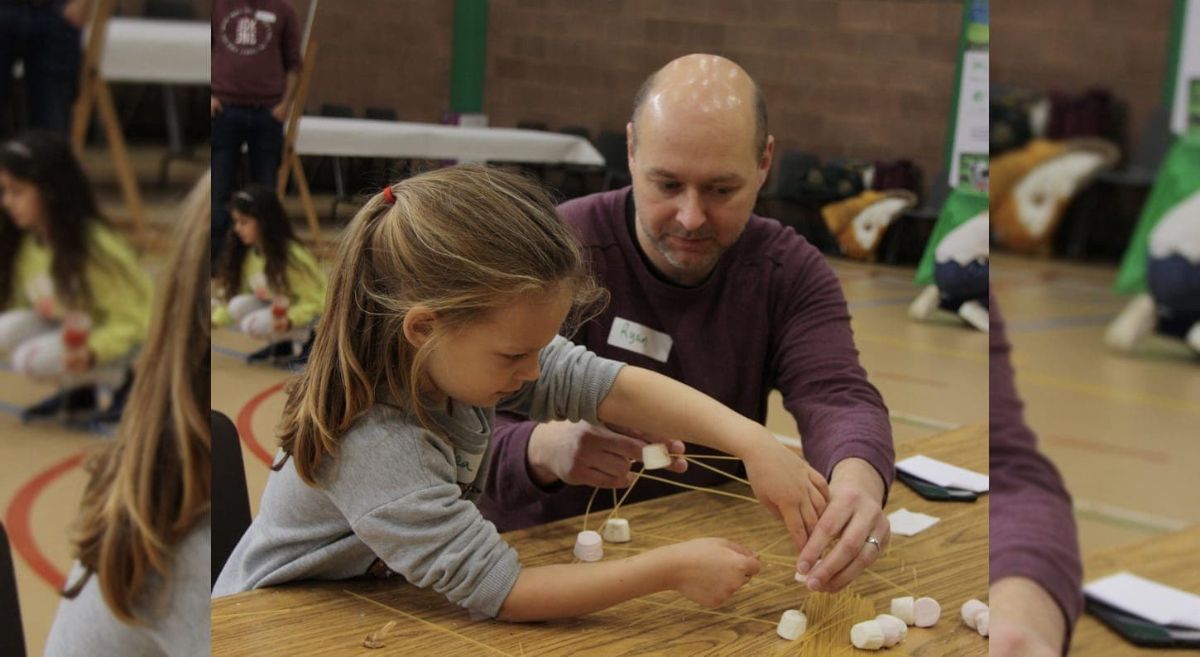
{"x":709,"y":84}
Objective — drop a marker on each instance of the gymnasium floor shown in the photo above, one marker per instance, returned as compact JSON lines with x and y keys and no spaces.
{"x":40,"y":475}
{"x":1120,"y":428}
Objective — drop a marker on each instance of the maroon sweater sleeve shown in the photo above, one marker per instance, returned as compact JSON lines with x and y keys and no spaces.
{"x":840,"y":414}
{"x":1032,"y":529}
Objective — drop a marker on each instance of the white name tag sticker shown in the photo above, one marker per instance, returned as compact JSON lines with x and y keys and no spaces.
{"x":640,"y":339}
{"x":264,"y":16}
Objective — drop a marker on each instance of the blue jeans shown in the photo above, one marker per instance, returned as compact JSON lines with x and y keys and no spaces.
{"x":233,"y":126}
{"x":49,"y":48}
{"x":958,"y":284}
{"x":1175,"y":285}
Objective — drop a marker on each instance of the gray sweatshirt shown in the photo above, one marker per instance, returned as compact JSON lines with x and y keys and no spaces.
{"x":398,"y":493}
{"x":174,"y":622}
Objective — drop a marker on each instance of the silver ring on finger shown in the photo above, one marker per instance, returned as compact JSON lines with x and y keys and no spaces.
{"x":871,"y":540}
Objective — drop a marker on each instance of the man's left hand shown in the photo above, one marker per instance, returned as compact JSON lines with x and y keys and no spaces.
{"x":280,"y":111}
{"x":854,"y":514}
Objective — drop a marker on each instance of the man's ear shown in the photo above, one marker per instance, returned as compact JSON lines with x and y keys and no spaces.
{"x":419,"y":323}
{"x":630,"y":144}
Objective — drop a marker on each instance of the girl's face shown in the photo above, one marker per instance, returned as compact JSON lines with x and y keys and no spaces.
{"x":246,"y":228}
{"x":488,"y":360}
{"x":22,"y":201}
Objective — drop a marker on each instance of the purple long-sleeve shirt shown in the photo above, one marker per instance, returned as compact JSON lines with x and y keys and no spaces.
{"x":255,"y":44}
{"x":771,"y":316}
{"x":1031,"y":528}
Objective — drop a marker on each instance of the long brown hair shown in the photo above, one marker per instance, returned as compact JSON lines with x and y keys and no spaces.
{"x":152,"y":484}
{"x":45,"y":160}
{"x":459,"y":241}
{"x":275,"y":235}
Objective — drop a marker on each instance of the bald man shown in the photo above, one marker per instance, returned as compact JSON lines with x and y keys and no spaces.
{"x":727,"y":302}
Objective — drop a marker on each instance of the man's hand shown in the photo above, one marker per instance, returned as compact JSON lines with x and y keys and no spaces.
{"x":854,"y":514}
{"x":583,"y":454}
{"x":788,"y":486}
{"x":1025,"y":620}
{"x":214,"y":106}
{"x":280,"y":111}
{"x":76,"y":12}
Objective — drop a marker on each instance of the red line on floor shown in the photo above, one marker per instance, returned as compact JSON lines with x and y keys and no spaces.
{"x":17,"y":520}
{"x":245,"y":423}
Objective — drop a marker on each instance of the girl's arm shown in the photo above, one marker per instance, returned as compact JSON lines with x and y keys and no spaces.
{"x":308,"y":286}
{"x":655,"y":404}
{"x":706,"y":571}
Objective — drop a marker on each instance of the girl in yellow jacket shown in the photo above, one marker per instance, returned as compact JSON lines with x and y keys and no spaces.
{"x":274,"y":287}
{"x":74,"y":302}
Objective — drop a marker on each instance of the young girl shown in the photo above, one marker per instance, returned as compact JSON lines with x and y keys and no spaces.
{"x":62,"y":266}
{"x":277,"y":285}
{"x":140,"y":584}
{"x":447,"y":294}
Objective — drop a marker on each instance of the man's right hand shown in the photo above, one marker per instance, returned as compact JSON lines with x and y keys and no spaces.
{"x":582,"y":454}
{"x":214,"y":106}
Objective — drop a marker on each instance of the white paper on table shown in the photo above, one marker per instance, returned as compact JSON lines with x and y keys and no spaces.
{"x":944,"y":474}
{"x":910,"y":523}
{"x":1139,"y":596}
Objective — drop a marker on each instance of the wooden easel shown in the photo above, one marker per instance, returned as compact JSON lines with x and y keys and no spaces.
{"x":291,"y":160}
{"x":94,"y":91}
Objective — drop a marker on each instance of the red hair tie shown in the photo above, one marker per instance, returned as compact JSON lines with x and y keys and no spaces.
{"x":389,"y":195}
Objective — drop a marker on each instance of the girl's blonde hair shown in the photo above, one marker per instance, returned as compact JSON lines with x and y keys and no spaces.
{"x":152,"y":484}
{"x":459,"y":241}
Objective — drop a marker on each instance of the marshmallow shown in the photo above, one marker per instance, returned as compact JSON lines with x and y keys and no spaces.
{"x":926,"y":612}
{"x":655,"y":456}
{"x":589,"y":546}
{"x":894,"y":629}
{"x":616,"y":530}
{"x":970,"y":609}
{"x":867,"y":635}
{"x":792,"y":624}
{"x":803,"y":579}
{"x":983,"y":622}
{"x":902,"y":608}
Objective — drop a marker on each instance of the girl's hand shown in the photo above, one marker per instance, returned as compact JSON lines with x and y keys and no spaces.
{"x":78,"y":361}
{"x":708,"y":571}
{"x":788,"y":486}
{"x":282,"y":325}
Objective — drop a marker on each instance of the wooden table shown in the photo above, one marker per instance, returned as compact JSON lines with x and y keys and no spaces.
{"x":947,"y":562}
{"x":1173,"y":559}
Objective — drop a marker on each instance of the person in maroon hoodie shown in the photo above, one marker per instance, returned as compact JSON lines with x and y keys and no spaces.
{"x":1035,"y":570}
{"x":730,"y":303}
{"x":255,"y":67}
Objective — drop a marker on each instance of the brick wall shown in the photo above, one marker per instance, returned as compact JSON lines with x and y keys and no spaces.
{"x":859,"y":78}
{"x":1073,"y":45}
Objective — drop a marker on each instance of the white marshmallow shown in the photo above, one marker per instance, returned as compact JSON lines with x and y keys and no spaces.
{"x":902,"y":608}
{"x":983,"y":622}
{"x":803,"y":579}
{"x":616,"y":530}
{"x":926,"y":612}
{"x":655,"y":456}
{"x":867,"y":635}
{"x":970,"y":610}
{"x":792,"y":624}
{"x":894,"y":629}
{"x":589,"y":546}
